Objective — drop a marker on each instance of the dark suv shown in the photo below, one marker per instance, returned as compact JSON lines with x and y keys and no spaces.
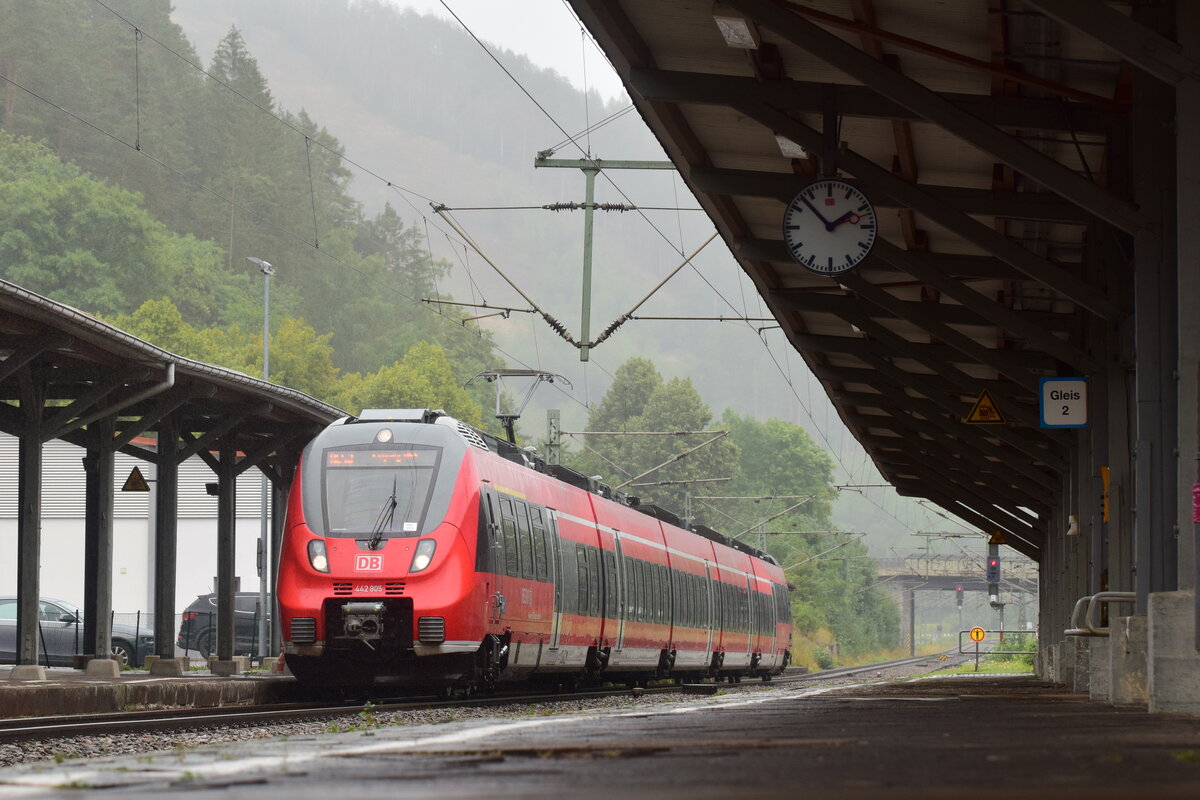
{"x":198,"y":629}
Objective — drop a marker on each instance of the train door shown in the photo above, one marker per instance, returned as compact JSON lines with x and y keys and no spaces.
{"x":489,"y":555}
{"x":748,"y":612}
{"x":556,"y":577}
{"x":710,"y":621}
{"x":508,"y":605}
{"x":618,"y":575}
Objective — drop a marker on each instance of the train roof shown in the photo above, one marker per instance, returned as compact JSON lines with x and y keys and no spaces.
{"x":529,"y":457}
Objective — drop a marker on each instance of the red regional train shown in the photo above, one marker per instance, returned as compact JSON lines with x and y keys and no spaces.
{"x":420,"y":550}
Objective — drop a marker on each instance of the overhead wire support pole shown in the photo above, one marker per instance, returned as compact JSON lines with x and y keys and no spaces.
{"x":591,"y":167}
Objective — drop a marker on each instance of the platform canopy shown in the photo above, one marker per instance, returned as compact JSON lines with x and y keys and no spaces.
{"x":994,"y":140}
{"x":86,"y":370}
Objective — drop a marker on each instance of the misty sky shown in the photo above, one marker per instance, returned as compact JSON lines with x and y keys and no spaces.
{"x":544,"y":30}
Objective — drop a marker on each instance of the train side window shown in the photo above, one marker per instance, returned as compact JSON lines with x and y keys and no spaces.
{"x":680,"y":580}
{"x":682,"y":615}
{"x":581,"y":571}
{"x":656,"y":582}
{"x":651,"y":594}
{"x":594,"y":582}
{"x":508,"y":526}
{"x":664,"y":594}
{"x":538,"y":526}
{"x":610,"y":584}
{"x":485,"y":549}
{"x":524,"y":541}
{"x":694,"y":600}
{"x":639,"y":571}
{"x":648,"y":609}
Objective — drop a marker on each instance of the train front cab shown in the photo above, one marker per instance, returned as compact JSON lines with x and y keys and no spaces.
{"x":376,"y":576}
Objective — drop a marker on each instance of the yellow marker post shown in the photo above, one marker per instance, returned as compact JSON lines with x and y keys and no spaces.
{"x":977,"y":634}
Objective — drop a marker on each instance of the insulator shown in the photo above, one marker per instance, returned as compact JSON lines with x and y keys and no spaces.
{"x":611,"y":329}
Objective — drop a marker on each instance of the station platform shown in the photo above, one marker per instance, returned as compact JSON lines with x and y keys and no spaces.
{"x":981,"y":737}
{"x":72,"y":691}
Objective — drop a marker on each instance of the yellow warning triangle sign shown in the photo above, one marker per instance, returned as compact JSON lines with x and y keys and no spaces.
{"x":135,"y":482}
{"x":985,"y":411}
{"x":997,"y":538}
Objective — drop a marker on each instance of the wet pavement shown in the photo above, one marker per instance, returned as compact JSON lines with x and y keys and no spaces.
{"x":951,"y":737}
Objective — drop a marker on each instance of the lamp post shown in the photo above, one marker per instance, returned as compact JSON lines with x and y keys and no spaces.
{"x":264,"y":548}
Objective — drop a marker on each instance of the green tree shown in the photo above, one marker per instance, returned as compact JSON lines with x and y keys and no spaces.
{"x":422,"y":379}
{"x":640,"y":400}
{"x":93,"y":245}
{"x":300,"y":358}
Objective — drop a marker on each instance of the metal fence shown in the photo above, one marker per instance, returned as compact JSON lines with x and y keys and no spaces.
{"x":194,"y":636}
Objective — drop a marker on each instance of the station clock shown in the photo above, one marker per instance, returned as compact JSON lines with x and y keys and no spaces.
{"x":829,"y":227}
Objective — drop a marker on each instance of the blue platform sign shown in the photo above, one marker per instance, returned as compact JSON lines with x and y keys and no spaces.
{"x":1062,"y":402}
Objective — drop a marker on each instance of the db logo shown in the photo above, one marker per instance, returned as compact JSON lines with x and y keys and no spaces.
{"x":368,"y":563}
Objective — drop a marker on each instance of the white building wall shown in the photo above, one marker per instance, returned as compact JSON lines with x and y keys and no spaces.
{"x":63,"y":483}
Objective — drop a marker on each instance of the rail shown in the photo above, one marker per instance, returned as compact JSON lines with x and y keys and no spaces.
{"x":1084,"y":613}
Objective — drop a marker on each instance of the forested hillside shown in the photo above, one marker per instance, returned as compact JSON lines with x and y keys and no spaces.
{"x":179,"y":175}
{"x":138,"y":173}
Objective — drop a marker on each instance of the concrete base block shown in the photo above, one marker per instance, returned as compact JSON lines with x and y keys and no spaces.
{"x":102,"y":668}
{"x":167,"y":667}
{"x":1128,"y":660}
{"x":1046,"y":663}
{"x":235,"y":666}
{"x":1062,"y":663}
{"x":27,"y":672}
{"x":1100,"y":669}
{"x":1171,"y":657}
{"x":1082,"y":674}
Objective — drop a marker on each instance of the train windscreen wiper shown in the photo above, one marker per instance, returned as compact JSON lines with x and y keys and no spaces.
{"x":384,"y":520}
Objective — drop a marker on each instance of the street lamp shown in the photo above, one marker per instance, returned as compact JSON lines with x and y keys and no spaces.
{"x":264,"y":548}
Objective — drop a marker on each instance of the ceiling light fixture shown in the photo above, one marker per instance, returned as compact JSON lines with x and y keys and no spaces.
{"x":736,"y":30}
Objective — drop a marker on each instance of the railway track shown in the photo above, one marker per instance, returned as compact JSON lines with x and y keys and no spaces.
{"x":179,"y":719}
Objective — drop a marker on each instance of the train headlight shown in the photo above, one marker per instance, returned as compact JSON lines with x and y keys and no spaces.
{"x":424,"y":555}
{"x":317,"y":555}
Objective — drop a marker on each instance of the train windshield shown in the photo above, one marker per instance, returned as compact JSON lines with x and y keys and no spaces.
{"x":378,"y":490}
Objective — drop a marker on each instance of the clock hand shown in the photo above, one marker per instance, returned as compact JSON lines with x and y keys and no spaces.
{"x":848,"y":216}
{"x":821,"y":217}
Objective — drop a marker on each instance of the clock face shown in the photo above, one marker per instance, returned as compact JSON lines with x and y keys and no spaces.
{"x":829,"y":227}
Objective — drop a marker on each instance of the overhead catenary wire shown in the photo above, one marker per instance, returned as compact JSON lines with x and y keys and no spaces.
{"x":558,"y":327}
{"x":621,"y":320}
{"x":286,"y":233}
{"x":674,"y":458}
{"x":402,"y":191}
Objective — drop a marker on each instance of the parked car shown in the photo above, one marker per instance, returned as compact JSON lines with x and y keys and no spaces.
{"x":198,"y":628}
{"x":62,"y":635}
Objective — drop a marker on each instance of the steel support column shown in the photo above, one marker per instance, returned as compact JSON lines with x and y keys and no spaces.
{"x":166,"y":529}
{"x":98,"y":541}
{"x":1156,"y":326}
{"x":29,"y":516}
{"x":226,"y":546}
{"x":278,"y":509}
{"x":1187,"y":111}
